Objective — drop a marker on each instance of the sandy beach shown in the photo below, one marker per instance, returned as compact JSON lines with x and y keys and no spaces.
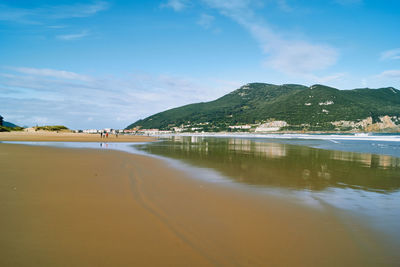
{"x":69,"y":137}
{"x":77,"y":207}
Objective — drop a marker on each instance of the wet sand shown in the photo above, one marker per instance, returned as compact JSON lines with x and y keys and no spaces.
{"x":76,"y":207}
{"x":69,"y":137}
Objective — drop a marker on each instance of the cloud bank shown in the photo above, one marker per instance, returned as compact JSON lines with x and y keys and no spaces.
{"x":31,"y":96}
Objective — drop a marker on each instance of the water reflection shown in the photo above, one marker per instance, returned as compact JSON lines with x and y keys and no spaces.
{"x":368,"y":160}
{"x":284,"y":165}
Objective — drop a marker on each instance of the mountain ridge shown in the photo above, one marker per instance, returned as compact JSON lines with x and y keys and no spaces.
{"x":317,"y":107}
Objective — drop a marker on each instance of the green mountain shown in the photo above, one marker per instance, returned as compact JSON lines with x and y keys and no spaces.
{"x":9,"y":124}
{"x":6,"y":126}
{"x":317,"y":107}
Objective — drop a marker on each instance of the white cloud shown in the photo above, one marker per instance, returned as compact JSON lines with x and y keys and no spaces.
{"x":229,"y":5}
{"x":16,"y":14}
{"x":176,"y":5}
{"x":391,"y":54}
{"x":73,"y":36}
{"x":364,"y":82}
{"x":40,"y":120}
{"x":77,"y":10}
{"x":61,"y":74}
{"x":301,"y":57}
{"x":206,"y":20}
{"x":387,"y":78}
{"x":41,"y":14}
{"x":327,"y":78}
{"x":286,"y":55}
{"x":389,"y":74}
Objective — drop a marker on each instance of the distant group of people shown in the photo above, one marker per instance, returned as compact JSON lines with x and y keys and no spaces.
{"x":105,"y":134}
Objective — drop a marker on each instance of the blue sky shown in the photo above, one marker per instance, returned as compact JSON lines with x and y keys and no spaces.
{"x":96,"y":64}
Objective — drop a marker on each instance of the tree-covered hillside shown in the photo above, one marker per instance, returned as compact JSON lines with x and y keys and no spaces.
{"x":9,"y":124}
{"x":298,"y":105}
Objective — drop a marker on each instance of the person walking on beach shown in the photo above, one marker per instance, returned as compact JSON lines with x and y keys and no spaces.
{"x":116,"y":134}
{"x":101,"y":134}
{"x":106,"y":135}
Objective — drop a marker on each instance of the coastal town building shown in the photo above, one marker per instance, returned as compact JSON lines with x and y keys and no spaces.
{"x":97,"y":131}
{"x":153,"y":132}
{"x":91,"y":131}
{"x":130,"y":131}
{"x":178,"y":129}
{"x":247,"y":126}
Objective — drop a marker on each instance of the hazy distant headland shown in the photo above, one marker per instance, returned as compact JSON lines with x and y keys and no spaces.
{"x":261,"y":107}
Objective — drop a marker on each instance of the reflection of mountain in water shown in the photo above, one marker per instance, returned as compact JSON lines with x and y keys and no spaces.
{"x":284,"y":165}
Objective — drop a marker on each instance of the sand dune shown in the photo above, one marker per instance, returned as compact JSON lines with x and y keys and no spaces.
{"x":76,"y":207}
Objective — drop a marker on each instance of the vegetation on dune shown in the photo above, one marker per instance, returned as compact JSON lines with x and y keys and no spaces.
{"x":9,"y":129}
{"x":311,"y":108}
{"x":51,"y":128}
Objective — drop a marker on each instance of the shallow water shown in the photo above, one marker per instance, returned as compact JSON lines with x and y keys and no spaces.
{"x":379,"y":143}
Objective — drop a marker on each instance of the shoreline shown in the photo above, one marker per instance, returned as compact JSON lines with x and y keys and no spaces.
{"x":301,"y":132}
{"x":94,"y":207}
{"x":46,"y":136}
{"x":266,"y":134}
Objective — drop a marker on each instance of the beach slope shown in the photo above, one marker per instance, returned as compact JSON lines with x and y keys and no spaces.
{"x":76,"y":207}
